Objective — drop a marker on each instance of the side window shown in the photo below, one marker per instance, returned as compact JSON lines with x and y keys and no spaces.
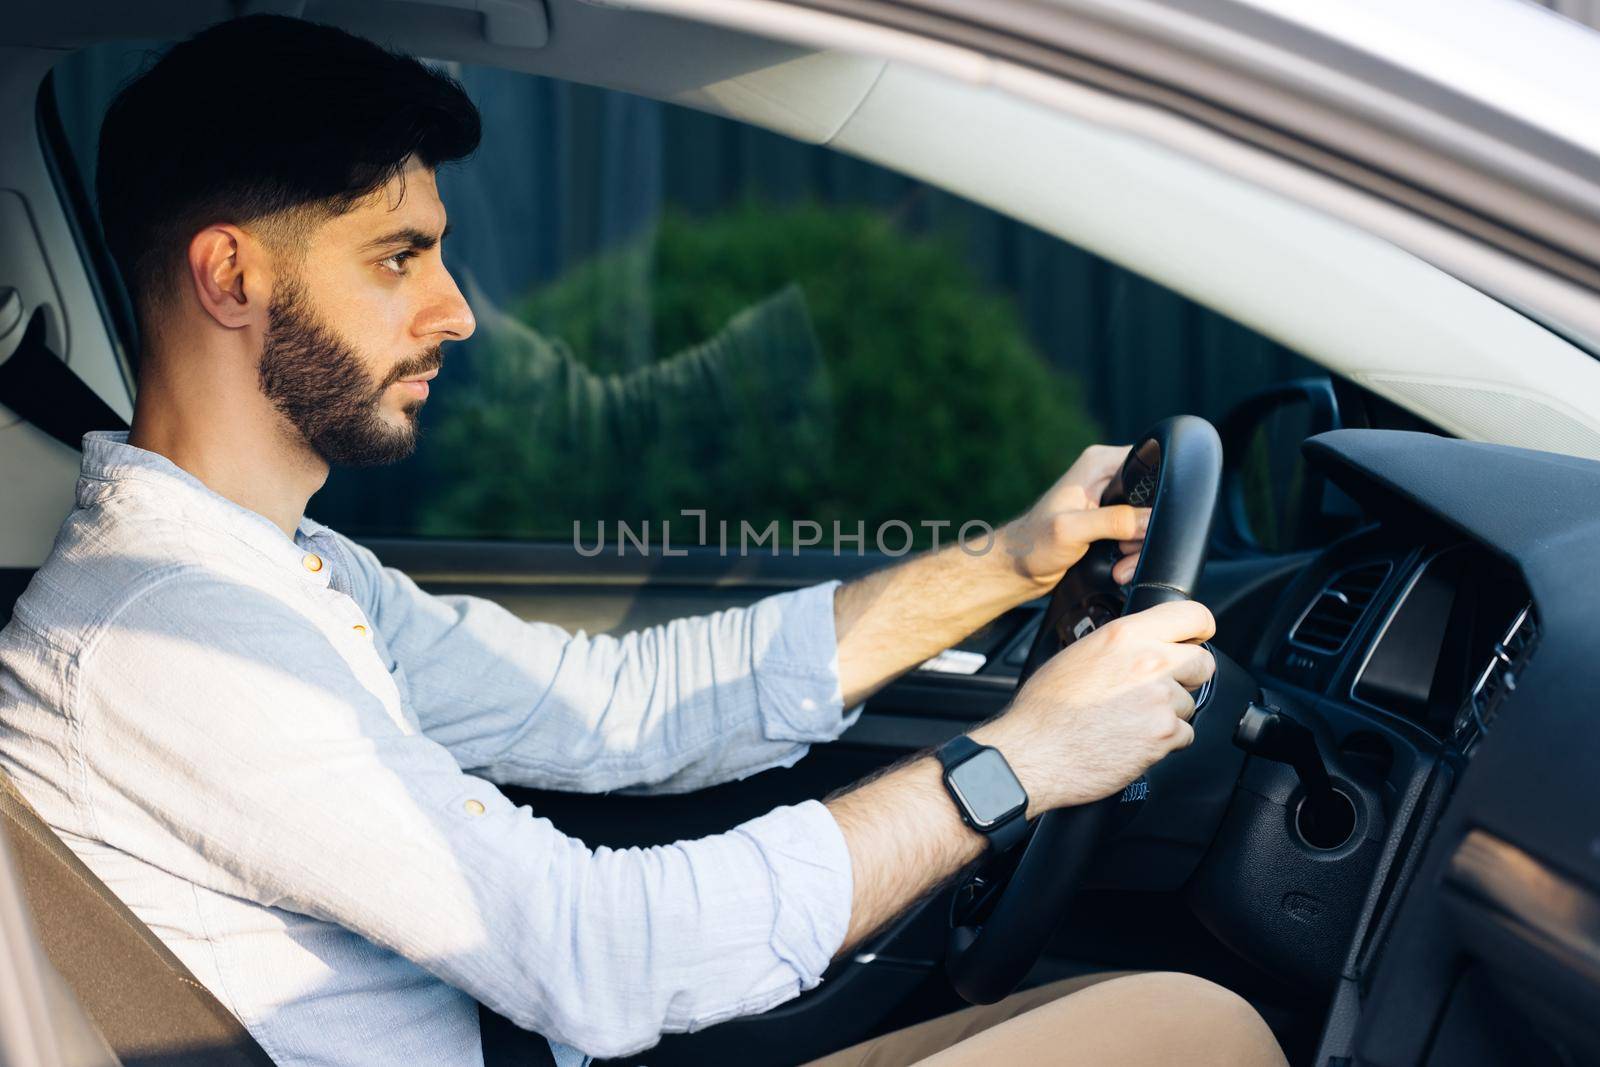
{"x":679,"y":312}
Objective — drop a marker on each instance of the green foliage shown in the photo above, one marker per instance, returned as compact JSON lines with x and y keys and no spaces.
{"x":824,"y":365}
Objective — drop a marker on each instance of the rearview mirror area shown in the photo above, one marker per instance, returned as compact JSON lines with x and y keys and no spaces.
{"x":1273,"y":502}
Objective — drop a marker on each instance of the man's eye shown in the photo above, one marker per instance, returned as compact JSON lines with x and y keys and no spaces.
{"x":398,"y":259}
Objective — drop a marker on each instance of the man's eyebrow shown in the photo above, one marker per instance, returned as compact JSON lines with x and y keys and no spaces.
{"x":419,"y":240}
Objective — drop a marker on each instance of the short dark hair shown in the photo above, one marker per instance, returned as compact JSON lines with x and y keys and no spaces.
{"x":263,"y":119}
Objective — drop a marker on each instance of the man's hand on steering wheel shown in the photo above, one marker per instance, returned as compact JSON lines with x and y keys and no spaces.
{"x":1086,"y":720}
{"x":1095,"y":716}
{"x":1056,"y":532}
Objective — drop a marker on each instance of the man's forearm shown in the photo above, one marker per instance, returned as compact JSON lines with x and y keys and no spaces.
{"x":903,"y":833}
{"x":890,"y":621}
{"x":904,"y":837}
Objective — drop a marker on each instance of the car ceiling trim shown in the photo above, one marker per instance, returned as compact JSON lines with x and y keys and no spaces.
{"x":1541,"y":179}
{"x":1515,"y":280}
{"x":1519,"y":268}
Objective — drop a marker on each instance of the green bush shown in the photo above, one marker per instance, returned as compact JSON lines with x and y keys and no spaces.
{"x":824,"y":364}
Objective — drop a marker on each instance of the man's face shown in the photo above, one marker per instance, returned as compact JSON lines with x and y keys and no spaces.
{"x":375,"y":274}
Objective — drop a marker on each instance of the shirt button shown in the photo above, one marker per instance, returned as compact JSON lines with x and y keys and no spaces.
{"x":360,"y":629}
{"x":312,"y":561}
{"x":474,"y":807}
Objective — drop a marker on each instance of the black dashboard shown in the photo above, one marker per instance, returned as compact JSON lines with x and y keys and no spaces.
{"x":1421,"y":627}
{"x":1443,"y":654}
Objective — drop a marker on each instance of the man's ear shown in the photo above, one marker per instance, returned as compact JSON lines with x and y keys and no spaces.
{"x":231,"y":276}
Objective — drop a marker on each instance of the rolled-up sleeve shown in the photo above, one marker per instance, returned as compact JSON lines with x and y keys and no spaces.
{"x":668,"y":708}
{"x":266,"y":770}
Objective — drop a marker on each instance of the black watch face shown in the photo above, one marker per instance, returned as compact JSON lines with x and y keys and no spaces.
{"x":987,"y":788}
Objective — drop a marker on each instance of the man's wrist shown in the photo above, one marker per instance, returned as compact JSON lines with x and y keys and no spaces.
{"x":997,"y":734}
{"x":904,"y":837}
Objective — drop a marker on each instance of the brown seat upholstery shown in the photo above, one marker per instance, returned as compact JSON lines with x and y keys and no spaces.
{"x":145,"y":1002}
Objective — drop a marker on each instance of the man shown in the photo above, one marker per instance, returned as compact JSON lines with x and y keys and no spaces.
{"x":280,"y":753}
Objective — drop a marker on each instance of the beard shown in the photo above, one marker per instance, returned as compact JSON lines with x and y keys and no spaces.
{"x":322,"y":388}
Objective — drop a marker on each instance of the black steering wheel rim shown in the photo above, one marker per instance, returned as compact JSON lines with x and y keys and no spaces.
{"x":1003,"y":914}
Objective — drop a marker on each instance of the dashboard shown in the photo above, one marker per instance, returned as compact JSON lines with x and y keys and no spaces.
{"x":1417,"y":626}
{"x":1444,"y":656}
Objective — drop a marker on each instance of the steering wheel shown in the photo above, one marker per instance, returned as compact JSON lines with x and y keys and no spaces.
{"x":1003,"y":914}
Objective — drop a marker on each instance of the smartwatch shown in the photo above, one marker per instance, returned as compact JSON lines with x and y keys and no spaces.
{"x":986,"y":791}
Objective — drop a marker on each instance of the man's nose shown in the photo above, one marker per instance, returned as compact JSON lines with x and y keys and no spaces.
{"x":449,"y":313}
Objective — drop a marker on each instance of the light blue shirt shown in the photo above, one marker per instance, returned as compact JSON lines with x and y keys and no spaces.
{"x":283,"y":755}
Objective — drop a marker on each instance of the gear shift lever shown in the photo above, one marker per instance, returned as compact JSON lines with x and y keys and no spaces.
{"x":1326,"y":818}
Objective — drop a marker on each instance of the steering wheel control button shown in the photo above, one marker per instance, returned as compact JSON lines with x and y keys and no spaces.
{"x":312,"y":562}
{"x":474,"y":807}
{"x":1143,"y":490}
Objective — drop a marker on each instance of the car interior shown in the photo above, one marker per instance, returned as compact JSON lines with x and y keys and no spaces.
{"x":1379,"y":837}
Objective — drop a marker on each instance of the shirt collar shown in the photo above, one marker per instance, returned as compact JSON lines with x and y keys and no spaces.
{"x":111,"y":464}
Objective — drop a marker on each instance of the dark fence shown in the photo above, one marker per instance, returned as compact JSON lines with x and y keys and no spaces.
{"x":586,"y":169}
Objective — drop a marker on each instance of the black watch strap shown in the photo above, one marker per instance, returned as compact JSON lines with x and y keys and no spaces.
{"x":958,"y":749}
{"x":1002,"y":836}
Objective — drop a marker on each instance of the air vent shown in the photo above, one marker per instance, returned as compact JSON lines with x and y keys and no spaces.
{"x":1498,"y":678}
{"x":1334,"y":615}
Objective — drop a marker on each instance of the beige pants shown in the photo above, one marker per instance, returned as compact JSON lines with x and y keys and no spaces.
{"x":1127,"y":1019}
